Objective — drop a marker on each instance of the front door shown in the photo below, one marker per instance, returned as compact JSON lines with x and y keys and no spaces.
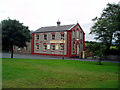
{"x":77,"y":49}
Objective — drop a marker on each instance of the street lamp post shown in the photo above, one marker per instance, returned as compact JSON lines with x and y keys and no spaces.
{"x":63,"y":49}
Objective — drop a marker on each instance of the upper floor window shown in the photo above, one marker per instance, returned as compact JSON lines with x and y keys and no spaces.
{"x":45,"y":36}
{"x":73,"y":34}
{"x":81,"y":36}
{"x":78,"y":34}
{"x":37,"y":37}
{"x":53,"y":36}
{"x":62,"y":35}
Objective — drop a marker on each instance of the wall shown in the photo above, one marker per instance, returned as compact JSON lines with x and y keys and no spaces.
{"x":41,"y":43}
{"x":77,"y":40}
{"x":111,"y":58}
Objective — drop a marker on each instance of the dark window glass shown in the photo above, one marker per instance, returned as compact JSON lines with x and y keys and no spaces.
{"x":62,"y":36}
{"x":53,"y":36}
{"x":45,"y":37}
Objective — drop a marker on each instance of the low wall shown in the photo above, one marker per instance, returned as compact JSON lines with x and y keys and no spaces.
{"x":111,"y":58}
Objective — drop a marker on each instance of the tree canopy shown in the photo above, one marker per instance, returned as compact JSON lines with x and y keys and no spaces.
{"x":96,"y":47}
{"x":106,"y":28}
{"x":14,"y":33}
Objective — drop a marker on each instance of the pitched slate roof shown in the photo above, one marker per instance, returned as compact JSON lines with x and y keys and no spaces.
{"x":55,"y":28}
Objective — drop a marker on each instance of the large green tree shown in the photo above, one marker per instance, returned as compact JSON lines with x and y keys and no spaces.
{"x":14,"y":33}
{"x":106,"y":28}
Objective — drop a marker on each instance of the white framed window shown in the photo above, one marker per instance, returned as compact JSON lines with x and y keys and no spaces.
{"x":62,"y":36}
{"x":53,"y":47}
{"x":77,"y":34}
{"x":45,"y":36}
{"x":81,"y":35}
{"x":73,"y":47}
{"x":37,"y":37}
{"x":37,"y":47}
{"x":44,"y":47}
{"x":53,"y":36}
{"x":73,"y":34}
{"x":62,"y":47}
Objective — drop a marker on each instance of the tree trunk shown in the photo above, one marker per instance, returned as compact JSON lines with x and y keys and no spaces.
{"x":12,"y":51}
{"x":100,"y":61}
{"x":107,"y":50}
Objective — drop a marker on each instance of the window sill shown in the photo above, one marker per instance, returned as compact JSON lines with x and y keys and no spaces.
{"x":53,"y":51}
{"x":44,"y":50}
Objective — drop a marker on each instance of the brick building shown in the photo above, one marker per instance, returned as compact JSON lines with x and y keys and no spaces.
{"x":24,"y":50}
{"x":67,"y":40}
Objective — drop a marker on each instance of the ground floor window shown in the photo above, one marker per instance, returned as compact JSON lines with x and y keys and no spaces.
{"x":62,"y":47}
{"x":37,"y":46}
{"x":25,"y":48}
{"x":73,"y":47}
{"x":45,"y":47}
{"x":52,"y":47}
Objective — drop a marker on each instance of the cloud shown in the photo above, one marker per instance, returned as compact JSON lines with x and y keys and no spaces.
{"x":39,"y":13}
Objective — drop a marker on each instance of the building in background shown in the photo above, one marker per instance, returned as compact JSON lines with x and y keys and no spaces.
{"x":24,"y":50}
{"x":67,"y":40}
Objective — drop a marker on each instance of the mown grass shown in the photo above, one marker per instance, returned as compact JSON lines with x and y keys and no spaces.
{"x":34,"y":73}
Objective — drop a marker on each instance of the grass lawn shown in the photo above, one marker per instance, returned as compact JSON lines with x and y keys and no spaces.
{"x":35,"y":73}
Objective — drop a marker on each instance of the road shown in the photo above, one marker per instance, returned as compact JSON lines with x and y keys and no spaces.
{"x":31,"y":56}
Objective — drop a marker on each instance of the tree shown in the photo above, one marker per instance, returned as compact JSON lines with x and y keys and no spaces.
{"x":97,"y":48}
{"x":107,"y":27}
{"x":14,"y":33}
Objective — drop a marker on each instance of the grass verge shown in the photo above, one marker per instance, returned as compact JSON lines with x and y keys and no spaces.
{"x":35,"y":73}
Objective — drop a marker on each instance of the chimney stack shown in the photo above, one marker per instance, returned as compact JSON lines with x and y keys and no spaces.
{"x":58,"y":23}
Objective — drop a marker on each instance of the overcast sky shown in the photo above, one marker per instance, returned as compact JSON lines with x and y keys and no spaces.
{"x":40,"y":13}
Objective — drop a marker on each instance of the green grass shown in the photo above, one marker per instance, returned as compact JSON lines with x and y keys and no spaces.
{"x":34,"y":73}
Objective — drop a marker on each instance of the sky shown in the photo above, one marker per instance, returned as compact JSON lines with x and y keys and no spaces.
{"x":40,"y":13}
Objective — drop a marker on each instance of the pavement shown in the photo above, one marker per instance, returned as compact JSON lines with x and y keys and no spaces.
{"x":31,"y":56}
